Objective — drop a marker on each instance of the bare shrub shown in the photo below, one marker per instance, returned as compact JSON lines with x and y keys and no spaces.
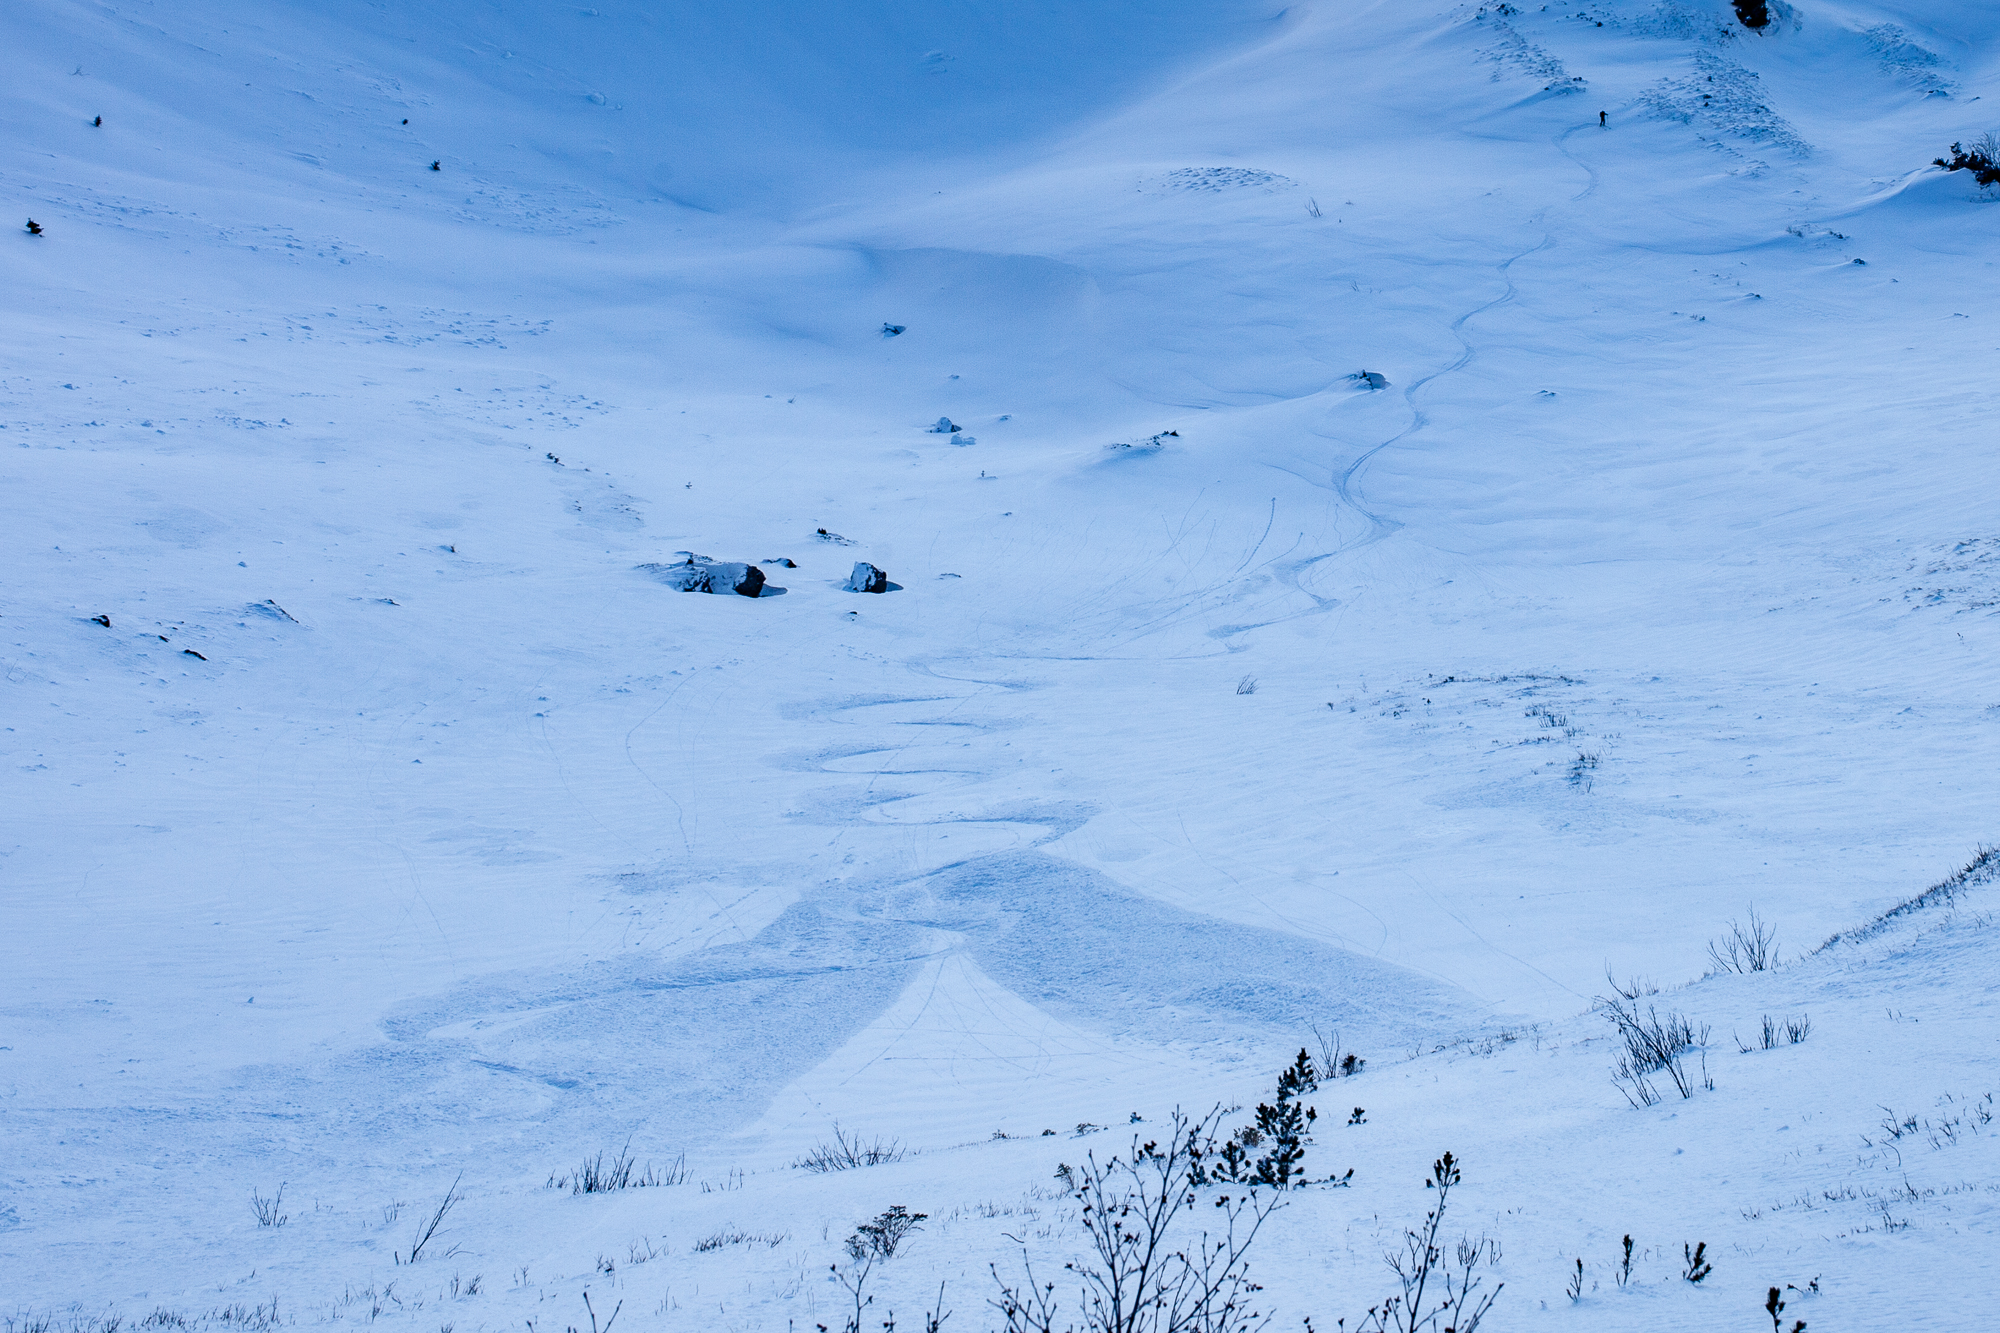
{"x":847,"y":1153}
{"x":724,"y":1239}
{"x":1142,"y":1277}
{"x":1439,"y":1288}
{"x":1631,"y":989}
{"x":268,"y":1210}
{"x":594,"y":1175}
{"x":429,"y":1230}
{"x":1653,"y":1044}
{"x":1982,"y":869}
{"x":1748,"y":947}
{"x":591,"y":1310}
{"x":1332,"y":1062}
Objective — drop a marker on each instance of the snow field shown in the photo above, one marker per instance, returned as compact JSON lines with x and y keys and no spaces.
{"x":1654,"y":583}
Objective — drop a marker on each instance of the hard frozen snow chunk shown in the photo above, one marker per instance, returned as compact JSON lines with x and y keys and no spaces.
{"x":867,"y":578}
{"x":1722,"y":96}
{"x":1369,"y":379}
{"x":1151,"y":442}
{"x":945,"y":427}
{"x":1214,"y":179}
{"x":697,"y":573}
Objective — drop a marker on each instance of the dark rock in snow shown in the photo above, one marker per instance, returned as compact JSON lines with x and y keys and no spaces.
{"x":945,"y":427}
{"x":867,"y":578}
{"x":697,"y":573}
{"x":786,"y":561}
{"x":834,"y":537}
{"x":891,"y":330}
{"x":1370,"y":379}
{"x":103,"y":620}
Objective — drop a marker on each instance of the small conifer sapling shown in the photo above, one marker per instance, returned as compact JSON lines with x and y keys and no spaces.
{"x":1698,"y":1266}
{"x":1774,"y":1306}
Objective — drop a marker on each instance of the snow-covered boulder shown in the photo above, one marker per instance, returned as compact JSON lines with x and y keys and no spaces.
{"x":867,"y":578}
{"x":697,"y":573}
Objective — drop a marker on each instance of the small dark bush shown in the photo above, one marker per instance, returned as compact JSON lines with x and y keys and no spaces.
{"x":1282,"y":1128}
{"x":880,"y":1237}
{"x":1982,"y":160}
{"x":1753,"y":13}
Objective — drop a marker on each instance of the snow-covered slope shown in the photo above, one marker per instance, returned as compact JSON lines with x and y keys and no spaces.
{"x":401,"y":825}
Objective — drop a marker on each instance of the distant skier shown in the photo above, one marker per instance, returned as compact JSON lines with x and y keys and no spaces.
{"x":1600,"y":120}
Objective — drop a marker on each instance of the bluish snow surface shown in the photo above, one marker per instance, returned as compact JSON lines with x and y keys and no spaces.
{"x":1405,"y":549}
